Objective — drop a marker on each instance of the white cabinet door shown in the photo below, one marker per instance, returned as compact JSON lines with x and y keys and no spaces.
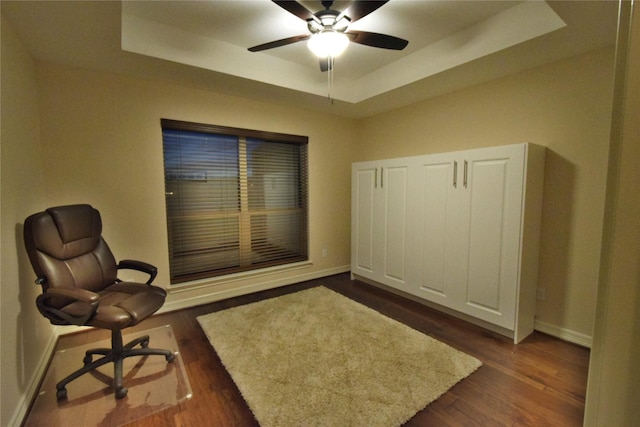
{"x":489,"y":232}
{"x":364,"y":183}
{"x":379,"y":220}
{"x":434,"y":222}
{"x":392,"y":230}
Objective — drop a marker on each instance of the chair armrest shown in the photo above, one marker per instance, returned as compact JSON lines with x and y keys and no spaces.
{"x":81,"y":307}
{"x":77,"y":294}
{"x":131,"y":264}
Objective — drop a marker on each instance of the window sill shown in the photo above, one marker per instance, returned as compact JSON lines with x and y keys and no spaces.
{"x":236,"y":277}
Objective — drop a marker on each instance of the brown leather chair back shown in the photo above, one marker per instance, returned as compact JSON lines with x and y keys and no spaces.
{"x":66,"y":249}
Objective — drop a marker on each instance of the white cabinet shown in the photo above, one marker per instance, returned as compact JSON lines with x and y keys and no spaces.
{"x":464,"y":227}
{"x":379,"y":220}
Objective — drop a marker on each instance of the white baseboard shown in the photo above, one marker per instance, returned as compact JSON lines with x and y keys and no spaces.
{"x":547,"y":328}
{"x":564,"y":334}
{"x":34,"y":383}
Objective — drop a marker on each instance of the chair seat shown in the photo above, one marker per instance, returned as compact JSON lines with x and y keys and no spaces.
{"x":125,"y":304}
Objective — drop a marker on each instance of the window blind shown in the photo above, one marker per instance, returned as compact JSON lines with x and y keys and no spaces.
{"x":236,"y":199}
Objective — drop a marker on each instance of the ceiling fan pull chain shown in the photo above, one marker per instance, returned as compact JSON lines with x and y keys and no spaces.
{"x":331,"y":63}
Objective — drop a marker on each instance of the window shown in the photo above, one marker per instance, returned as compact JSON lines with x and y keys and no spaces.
{"x":236,"y":199}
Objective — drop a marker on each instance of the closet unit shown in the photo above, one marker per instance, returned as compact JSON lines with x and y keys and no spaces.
{"x":459,"y":229}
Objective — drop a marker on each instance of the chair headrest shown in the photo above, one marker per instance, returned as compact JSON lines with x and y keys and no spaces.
{"x":64,"y":232}
{"x":76,"y":222}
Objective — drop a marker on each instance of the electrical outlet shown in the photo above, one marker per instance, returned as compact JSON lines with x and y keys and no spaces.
{"x":324,"y":252}
{"x":541,"y":294}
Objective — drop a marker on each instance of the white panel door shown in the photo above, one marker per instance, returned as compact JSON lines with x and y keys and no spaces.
{"x":436,"y":215}
{"x":491,"y":209}
{"x":393,"y":228}
{"x":364,"y":187}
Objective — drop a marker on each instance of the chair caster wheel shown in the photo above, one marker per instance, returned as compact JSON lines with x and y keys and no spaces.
{"x":120,"y":393}
{"x":61,"y":393}
{"x":170,"y":358}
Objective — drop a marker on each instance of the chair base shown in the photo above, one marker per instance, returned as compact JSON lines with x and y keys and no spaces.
{"x":116,"y":354}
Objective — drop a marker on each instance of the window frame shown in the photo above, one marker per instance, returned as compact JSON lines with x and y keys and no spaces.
{"x":244,"y":134}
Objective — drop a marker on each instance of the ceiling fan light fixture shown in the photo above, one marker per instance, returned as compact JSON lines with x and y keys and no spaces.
{"x":328,"y":43}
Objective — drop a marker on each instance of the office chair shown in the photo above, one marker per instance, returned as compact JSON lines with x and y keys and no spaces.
{"x":78,"y":275}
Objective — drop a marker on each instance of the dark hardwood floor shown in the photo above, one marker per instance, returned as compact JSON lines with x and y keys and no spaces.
{"x":539,"y":382}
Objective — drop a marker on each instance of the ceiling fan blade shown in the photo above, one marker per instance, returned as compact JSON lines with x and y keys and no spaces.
{"x":325,"y":64}
{"x":296,"y":9}
{"x":278,"y":43}
{"x":377,"y":40}
{"x":360,"y":9}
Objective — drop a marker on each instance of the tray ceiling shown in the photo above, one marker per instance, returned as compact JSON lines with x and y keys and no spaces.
{"x":452,"y":44}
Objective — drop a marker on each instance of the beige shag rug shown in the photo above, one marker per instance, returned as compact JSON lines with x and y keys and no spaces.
{"x":315,"y":357}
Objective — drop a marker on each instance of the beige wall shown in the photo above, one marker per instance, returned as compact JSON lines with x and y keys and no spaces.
{"x":103,"y":144}
{"x":565,"y":106}
{"x":27,"y":338}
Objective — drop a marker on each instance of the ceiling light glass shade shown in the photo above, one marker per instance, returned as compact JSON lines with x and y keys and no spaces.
{"x":328,"y":43}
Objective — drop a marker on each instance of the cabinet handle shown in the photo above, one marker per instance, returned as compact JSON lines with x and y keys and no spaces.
{"x":455,"y":174}
{"x":466,"y":166}
{"x":375,"y":179}
{"x":381,"y":177}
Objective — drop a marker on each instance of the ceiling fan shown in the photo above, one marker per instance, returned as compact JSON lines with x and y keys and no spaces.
{"x":329,"y":23}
